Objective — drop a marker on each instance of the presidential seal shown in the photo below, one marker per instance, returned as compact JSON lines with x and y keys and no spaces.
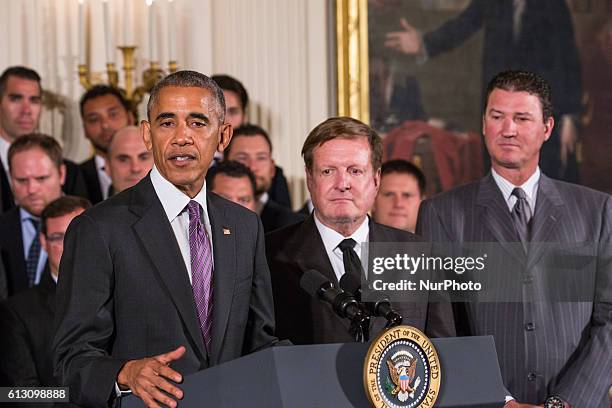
{"x":402,"y":369}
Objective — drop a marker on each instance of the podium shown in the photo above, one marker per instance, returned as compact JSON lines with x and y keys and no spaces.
{"x":331,"y":375}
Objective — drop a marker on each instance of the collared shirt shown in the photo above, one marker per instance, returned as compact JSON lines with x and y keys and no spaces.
{"x":103,"y":177}
{"x":4,"y":148}
{"x":261,"y":203}
{"x":175,"y":202}
{"x":331,"y":240}
{"x":530,"y":187}
{"x":29,"y":234}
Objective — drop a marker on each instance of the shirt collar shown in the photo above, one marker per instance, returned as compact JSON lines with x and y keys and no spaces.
{"x":530,"y":187}
{"x":4,"y":147}
{"x":100,"y":162}
{"x":26,"y":216}
{"x":331,"y":238}
{"x":172,"y":199}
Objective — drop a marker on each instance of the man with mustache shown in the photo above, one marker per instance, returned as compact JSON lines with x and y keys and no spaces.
{"x":180,"y":281}
{"x":37,"y":175}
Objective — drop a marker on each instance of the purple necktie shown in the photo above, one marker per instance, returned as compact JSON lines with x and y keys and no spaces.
{"x":201,"y":271}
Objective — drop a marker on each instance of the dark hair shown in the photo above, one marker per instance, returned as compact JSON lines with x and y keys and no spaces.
{"x":188,"y":79}
{"x":61,"y":206}
{"x":36,"y":140}
{"x":228,"y":83}
{"x":19,"y":72}
{"x":103,"y":90}
{"x":247,"y":130}
{"x":404,"y":167}
{"x":523,"y":81}
{"x":233,"y":169}
{"x":342,"y":128}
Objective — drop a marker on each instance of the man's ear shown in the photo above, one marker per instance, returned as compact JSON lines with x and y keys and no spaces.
{"x":145,"y":132}
{"x":549,"y":124}
{"x":225,"y":136}
{"x":62,"y":173}
{"x":43,"y":241}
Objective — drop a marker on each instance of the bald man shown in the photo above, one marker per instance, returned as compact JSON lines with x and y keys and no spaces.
{"x":129,"y":161}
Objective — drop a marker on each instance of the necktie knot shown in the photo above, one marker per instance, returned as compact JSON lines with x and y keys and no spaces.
{"x":347,"y":244}
{"x":519,"y":193}
{"x":194,"y":210}
{"x":35,"y":223}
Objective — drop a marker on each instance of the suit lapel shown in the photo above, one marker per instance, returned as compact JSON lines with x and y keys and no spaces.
{"x":309,"y":252}
{"x":224,"y":273}
{"x":157,"y":237}
{"x":493,"y":210}
{"x":546,"y":218}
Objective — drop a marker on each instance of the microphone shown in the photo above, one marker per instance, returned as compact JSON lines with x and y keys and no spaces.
{"x":344,"y":304}
{"x":381,"y":308}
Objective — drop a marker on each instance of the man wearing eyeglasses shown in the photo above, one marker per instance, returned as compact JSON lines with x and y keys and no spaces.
{"x":26,"y":319}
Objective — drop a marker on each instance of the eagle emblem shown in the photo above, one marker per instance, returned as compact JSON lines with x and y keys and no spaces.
{"x":402,"y":369}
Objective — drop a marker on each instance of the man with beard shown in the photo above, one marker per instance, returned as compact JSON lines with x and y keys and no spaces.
{"x":104,"y":111}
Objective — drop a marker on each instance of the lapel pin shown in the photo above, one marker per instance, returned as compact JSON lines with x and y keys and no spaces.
{"x":226,"y":231}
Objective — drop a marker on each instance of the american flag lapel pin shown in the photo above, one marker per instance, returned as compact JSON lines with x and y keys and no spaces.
{"x":226,"y":231}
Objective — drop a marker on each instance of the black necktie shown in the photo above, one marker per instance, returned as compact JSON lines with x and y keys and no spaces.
{"x":33,"y":255}
{"x":352,"y":264}
{"x":521,"y":214}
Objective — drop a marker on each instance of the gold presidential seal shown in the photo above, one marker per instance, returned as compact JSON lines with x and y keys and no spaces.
{"x":402,"y":369}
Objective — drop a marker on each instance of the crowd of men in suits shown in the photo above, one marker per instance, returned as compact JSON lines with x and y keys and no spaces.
{"x":191,"y":255}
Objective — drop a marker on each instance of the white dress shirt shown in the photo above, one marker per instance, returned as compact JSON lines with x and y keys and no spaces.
{"x":530,"y":187}
{"x":103,"y":177}
{"x":4,"y":147}
{"x":175,"y":202}
{"x":331,"y":240}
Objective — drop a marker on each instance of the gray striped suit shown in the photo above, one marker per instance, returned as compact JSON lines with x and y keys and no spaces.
{"x":544,"y":348}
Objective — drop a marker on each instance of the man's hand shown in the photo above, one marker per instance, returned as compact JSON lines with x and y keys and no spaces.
{"x":567,"y":137}
{"x":147,"y":377}
{"x":407,"y":41}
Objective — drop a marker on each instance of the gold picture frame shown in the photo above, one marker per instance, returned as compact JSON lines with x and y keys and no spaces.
{"x":352,"y":59}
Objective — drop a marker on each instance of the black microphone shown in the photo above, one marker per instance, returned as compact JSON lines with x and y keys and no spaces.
{"x":316,"y":285}
{"x":382,"y":308}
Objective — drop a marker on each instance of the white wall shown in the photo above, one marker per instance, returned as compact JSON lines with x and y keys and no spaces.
{"x":278,"y":48}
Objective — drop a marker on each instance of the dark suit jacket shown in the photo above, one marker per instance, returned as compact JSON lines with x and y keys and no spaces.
{"x":566,"y":349}
{"x":11,"y":250}
{"x":275,"y":216}
{"x":74,"y":184}
{"x":306,"y":320}
{"x":546,"y":45}
{"x":135,"y":300}
{"x":90,"y":174}
{"x":26,"y":322}
{"x":279,"y":189}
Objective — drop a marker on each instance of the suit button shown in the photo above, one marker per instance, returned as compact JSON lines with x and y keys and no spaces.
{"x":530,"y":327}
{"x":531,"y":377}
{"x":528,"y":279}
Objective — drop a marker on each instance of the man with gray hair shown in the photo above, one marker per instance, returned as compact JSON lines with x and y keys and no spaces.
{"x":162,"y":289}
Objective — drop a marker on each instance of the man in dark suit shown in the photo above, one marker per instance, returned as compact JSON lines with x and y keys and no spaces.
{"x":20,"y":109}
{"x":342,"y":158}
{"x":180,"y":275}
{"x":37,"y":175}
{"x":104,"y":111}
{"x":26,"y":320}
{"x":533,"y":35}
{"x":236,"y":103}
{"x":555,"y":353}
{"x":252,"y":147}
